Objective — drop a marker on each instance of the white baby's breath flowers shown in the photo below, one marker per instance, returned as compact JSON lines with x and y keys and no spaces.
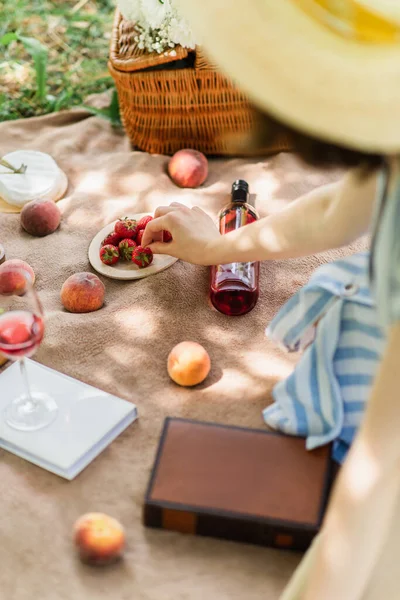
{"x":159,"y":25}
{"x":155,"y":12}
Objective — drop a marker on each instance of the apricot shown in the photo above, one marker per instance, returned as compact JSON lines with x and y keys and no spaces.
{"x":188,"y":364}
{"x":188,"y":168}
{"x":20,"y":264}
{"x":99,"y":539}
{"x":82,"y":292}
{"x":40,"y":217}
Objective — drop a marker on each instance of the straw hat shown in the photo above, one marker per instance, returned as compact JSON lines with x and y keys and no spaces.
{"x":330,"y":68}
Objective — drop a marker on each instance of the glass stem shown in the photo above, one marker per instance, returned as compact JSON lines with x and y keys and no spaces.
{"x":30,"y":403}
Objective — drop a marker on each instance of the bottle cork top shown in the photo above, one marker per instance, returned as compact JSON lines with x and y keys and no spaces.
{"x":240,"y":190}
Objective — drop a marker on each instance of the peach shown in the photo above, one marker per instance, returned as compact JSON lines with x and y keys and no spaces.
{"x":99,"y":539}
{"x":188,"y":168}
{"x":20,"y":264}
{"x":188,"y":364}
{"x":12,"y":281}
{"x":2,"y":254}
{"x":40,"y":217}
{"x":82,"y":292}
{"x":3,"y":359}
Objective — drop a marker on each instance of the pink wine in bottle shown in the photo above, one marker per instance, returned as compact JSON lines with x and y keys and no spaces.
{"x":234,"y":287}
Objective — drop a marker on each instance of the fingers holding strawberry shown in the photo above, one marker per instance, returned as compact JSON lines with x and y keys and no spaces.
{"x":167,"y":237}
{"x":141,"y":224}
{"x":164,"y":236}
{"x":194,"y":234}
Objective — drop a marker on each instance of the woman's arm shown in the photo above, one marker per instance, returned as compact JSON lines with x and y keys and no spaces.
{"x":328,"y":217}
{"x":365,"y":496}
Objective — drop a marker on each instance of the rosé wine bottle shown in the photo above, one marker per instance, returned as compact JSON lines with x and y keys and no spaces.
{"x":234,"y":288}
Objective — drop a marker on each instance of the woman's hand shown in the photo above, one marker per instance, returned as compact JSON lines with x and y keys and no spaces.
{"x":194,"y":234}
{"x":328,"y":217}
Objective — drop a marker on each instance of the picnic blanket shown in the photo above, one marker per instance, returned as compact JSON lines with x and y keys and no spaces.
{"x":123,"y":349}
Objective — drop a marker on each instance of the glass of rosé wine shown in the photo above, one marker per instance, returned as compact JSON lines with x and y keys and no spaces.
{"x":21,"y":332}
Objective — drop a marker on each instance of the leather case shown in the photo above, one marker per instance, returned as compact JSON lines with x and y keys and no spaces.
{"x":240,"y":484}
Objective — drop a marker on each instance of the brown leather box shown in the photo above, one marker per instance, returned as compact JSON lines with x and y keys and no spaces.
{"x":248,"y":485}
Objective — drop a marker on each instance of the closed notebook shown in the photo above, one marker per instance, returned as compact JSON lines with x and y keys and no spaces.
{"x":240,"y":484}
{"x":88,"y":420}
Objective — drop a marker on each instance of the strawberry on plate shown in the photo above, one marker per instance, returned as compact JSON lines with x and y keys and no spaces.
{"x":126,"y":228}
{"x":143,"y":222}
{"x":109,"y":254}
{"x":139,"y":236}
{"x":126,"y":248}
{"x":142,"y":257}
{"x":112,"y":238}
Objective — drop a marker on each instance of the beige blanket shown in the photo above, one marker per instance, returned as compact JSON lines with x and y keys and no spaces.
{"x":123,"y":349}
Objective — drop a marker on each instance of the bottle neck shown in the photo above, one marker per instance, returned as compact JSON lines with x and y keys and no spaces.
{"x":240,"y":196}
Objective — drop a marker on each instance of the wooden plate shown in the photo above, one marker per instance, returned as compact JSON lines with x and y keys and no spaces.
{"x":125,"y":270}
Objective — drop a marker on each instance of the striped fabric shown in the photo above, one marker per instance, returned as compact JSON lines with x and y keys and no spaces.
{"x":385,"y":259}
{"x":324,"y":398}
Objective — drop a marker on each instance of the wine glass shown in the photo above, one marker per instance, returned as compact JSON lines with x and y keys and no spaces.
{"x":21,"y":332}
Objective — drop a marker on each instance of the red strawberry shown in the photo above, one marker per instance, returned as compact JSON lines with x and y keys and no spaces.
{"x":109,"y":254}
{"x":139,"y":236}
{"x":126,"y":248}
{"x":112,"y":238}
{"x":126,"y":228}
{"x":143,"y":257}
{"x":143,"y":222}
{"x":167,"y":237}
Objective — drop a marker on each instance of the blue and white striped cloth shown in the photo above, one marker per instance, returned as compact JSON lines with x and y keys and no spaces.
{"x":334,"y":320}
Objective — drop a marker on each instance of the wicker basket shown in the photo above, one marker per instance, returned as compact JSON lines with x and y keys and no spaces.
{"x":175,"y":100}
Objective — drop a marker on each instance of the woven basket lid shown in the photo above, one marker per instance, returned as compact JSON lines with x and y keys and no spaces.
{"x":126,"y":56}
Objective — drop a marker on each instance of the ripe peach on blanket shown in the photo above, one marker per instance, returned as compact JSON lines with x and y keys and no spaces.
{"x":82,"y":292}
{"x":188,"y":364}
{"x":188,"y":168}
{"x":17,"y":263}
{"x":99,"y":539}
{"x":3,"y":359}
{"x":40,"y":217}
{"x":13,"y":281}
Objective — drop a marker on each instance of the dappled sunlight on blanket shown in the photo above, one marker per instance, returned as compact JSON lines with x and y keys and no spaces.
{"x":92,"y":182}
{"x":264,"y":365}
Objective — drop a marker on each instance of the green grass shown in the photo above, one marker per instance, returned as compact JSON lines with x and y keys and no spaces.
{"x":76,"y":34}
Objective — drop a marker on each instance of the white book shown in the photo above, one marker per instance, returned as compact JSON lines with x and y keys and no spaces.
{"x":88,"y":420}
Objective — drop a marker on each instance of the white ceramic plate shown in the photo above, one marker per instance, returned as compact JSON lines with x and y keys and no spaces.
{"x":122,"y":269}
